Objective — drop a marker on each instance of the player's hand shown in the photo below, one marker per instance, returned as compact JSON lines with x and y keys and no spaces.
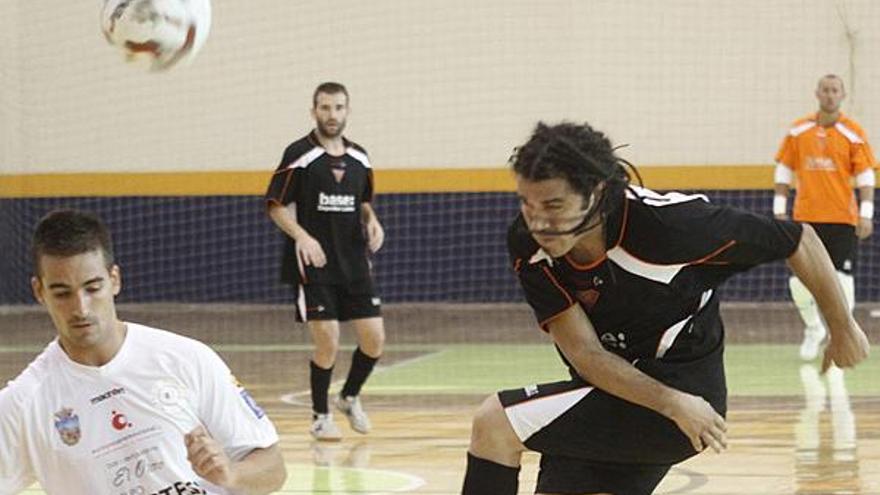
{"x":207,"y":458}
{"x":375,"y":235}
{"x":865,"y":228}
{"x":846,"y":348}
{"x":700,"y":423}
{"x":310,"y":252}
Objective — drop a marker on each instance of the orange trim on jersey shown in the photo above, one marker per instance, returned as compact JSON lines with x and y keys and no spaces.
{"x":574,"y":264}
{"x":691,"y":262}
{"x":549,"y":320}
{"x":286,"y":185}
{"x":571,"y":302}
{"x":715,"y":253}
{"x":557,"y":284}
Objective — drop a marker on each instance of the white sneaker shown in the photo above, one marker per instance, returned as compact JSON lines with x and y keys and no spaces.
{"x":357,"y":418}
{"x":813,"y":338}
{"x":324,"y":428}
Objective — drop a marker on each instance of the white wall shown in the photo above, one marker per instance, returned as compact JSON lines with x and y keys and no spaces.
{"x":434,"y":83}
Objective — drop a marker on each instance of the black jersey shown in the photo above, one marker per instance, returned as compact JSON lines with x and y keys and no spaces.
{"x":328,"y":192}
{"x":665,"y":255}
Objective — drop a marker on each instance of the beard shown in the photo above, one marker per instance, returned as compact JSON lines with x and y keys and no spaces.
{"x":326,"y":132}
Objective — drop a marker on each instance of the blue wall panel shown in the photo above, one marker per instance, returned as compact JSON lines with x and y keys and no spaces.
{"x":439,"y":247}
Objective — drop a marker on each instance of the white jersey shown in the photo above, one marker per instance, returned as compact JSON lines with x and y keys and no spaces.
{"x":118,"y":429}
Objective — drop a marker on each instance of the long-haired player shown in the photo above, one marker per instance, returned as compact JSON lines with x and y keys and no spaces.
{"x":623,"y":279}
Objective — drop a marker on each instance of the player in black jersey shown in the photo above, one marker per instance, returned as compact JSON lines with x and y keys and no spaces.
{"x":320,"y":197}
{"x":623,"y":280}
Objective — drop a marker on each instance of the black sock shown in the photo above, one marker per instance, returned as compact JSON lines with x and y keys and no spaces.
{"x":320,"y":381}
{"x":484,"y":477}
{"x":361,"y":367}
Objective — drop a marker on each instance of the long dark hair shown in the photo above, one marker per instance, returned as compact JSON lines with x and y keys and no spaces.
{"x":583,"y":157}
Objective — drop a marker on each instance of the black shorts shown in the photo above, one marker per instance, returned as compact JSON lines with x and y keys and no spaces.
{"x":337,"y":302}
{"x":594,"y":442}
{"x":841,"y":243}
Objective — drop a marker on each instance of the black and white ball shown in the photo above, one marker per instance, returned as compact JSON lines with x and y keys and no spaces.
{"x":164,"y":33}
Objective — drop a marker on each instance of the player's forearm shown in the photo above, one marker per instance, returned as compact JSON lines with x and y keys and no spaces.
{"x":780,"y":200}
{"x":812,"y":265}
{"x":618,"y":377}
{"x":866,"y":194}
{"x":368,"y":214}
{"x":285,"y":220}
{"x":262,"y":471}
{"x":606,"y":370}
{"x":781,"y":189}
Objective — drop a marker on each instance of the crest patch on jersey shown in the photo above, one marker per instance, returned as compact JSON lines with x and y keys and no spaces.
{"x":587,"y":297}
{"x":252,"y":404}
{"x":67,"y":424}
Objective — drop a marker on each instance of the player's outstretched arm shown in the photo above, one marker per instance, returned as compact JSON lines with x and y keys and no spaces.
{"x":574,"y":334}
{"x":812,"y":265}
{"x":260,"y":472}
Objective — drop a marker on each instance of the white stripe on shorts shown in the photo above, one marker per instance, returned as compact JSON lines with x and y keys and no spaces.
{"x":527,"y":418}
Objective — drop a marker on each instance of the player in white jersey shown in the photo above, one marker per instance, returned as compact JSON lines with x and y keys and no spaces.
{"x":112,"y":407}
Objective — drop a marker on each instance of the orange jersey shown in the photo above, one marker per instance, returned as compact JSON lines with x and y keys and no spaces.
{"x":825,"y":160}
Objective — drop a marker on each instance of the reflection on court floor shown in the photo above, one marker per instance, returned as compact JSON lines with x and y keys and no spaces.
{"x":826,"y":461}
{"x":791,"y":429}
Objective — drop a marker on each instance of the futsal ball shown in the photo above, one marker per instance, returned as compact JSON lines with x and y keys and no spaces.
{"x":160,"y":33}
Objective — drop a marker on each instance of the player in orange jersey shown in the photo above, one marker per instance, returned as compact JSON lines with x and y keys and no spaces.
{"x":827,"y":151}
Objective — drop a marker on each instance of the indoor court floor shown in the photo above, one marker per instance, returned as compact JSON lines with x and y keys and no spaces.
{"x":791,"y":430}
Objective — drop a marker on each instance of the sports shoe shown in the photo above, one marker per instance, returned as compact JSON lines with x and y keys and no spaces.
{"x":357,"y":418}
{"x":813,"y":338}
{"x":324,"y":428}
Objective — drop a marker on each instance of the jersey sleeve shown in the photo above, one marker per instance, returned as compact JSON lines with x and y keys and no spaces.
{"x":725,"y":235}
{"x":863,"y":157}
{"x":227,"y":410}
{"x":543,"y":291}
{"x":16,"y":472}
{"x":285,"y":183}
{"x":787,"y":154}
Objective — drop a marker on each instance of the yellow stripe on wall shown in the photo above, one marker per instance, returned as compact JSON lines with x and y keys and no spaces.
{"x":387,"y":181}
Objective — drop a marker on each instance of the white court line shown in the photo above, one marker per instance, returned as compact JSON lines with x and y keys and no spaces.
{"x":293,"y":398}
{"x":413,"y":481}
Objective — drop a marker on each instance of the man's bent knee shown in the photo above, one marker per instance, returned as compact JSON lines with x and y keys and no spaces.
{"x":492,"y":436}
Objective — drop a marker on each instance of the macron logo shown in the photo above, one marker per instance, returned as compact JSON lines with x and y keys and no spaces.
{"x":336,"y":202}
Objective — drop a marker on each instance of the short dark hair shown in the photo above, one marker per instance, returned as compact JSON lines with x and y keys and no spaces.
{"x":330,"y":88}
{"x":69,"y":233}
{"x":583,"y":157}
{"x":832,"y":76}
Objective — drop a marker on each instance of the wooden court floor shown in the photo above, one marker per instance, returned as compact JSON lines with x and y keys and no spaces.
{"x":805,"y":434}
